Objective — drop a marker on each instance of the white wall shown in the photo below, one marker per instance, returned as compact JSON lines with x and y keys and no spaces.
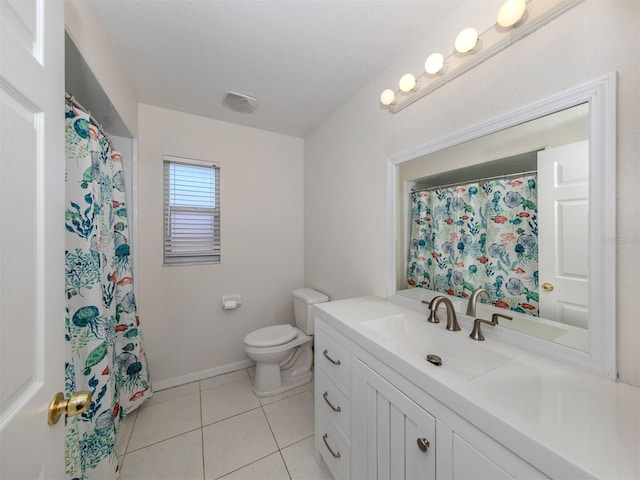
{"x":186,"y":332}
{"x":84,"y":26}
{"x":345,"y":157}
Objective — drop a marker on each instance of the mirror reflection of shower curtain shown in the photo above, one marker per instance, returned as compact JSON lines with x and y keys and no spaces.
{"x":104,"y":350}
{"x":477,"y":235}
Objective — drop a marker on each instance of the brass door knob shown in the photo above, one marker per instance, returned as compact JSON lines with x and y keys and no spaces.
{"x":78,"y":403}
{"x":423,"y":444}
{"x":547,"y":287}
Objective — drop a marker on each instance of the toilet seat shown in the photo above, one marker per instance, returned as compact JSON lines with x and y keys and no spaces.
{"x":271,"y":336}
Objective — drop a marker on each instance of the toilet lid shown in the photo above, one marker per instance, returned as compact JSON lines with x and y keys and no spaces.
{"x":271,"y":336}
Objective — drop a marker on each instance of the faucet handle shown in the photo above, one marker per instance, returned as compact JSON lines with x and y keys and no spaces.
{"x":495,"y":316}
{"x":476,"y":333}
{"x":433,"y":316}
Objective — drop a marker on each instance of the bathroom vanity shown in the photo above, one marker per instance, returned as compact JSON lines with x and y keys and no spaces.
{"x":489,"y":411}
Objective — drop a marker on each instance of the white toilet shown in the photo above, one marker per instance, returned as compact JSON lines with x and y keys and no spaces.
{"x":283,"y":354}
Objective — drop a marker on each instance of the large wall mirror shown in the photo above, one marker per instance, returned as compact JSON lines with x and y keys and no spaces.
{"x":523,"y":207}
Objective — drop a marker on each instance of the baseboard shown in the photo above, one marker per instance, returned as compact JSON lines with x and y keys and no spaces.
{"x":201,"y":375}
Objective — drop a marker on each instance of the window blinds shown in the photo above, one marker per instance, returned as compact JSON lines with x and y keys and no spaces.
{"x":191,"y":211}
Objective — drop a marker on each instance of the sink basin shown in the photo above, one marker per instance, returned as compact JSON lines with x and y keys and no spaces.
{"x":460,"y":355}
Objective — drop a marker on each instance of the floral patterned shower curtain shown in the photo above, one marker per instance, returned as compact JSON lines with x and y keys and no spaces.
{"x":104,"y":352}
{"x":478,"y":235}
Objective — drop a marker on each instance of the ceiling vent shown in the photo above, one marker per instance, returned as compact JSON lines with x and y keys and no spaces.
{"x":239,"y":102}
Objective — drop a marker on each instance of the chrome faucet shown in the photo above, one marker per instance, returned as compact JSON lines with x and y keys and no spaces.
{"x":476,"y":333}
{"x":473,"y":300}
{"x":452,"y":320}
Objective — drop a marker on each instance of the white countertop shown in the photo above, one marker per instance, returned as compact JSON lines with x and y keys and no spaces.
{"x":566,"y":422}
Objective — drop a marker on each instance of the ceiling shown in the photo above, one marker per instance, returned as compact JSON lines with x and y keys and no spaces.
{"x":300,"y":58}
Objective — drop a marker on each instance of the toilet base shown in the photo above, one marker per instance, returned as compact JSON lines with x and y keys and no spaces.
{"x":286,"y":383}
{"x":291,"y":372}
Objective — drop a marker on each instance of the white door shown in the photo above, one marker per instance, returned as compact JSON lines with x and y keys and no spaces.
{"x":563,"y":222}
{"x":32,"y":304}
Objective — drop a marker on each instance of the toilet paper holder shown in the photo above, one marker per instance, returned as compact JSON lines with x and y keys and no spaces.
{"x":231,"y":302}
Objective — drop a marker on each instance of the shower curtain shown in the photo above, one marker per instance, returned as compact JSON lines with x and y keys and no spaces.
{"x":478,"y":235}
{"x":104,"y":351}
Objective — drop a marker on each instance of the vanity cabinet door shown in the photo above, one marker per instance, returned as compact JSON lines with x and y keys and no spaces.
{"x":395,"y":437}
{"x":470,"y":464}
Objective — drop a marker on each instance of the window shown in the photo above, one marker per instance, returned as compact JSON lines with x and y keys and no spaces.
{"x":191,"y":211}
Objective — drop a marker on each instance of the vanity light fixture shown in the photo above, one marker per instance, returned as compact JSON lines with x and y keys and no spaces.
{"x":515,"y":20}
{"x":407,"y":82}
{"x":511,"y":13}
{"x":434,"y":63}
{"x":466,"y":40}
{"x":387,"y":97}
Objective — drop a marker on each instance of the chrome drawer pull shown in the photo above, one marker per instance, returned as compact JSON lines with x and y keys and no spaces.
{"x":325,"y":352}
{"x":324,"y":438}
{"x":325,"y":395}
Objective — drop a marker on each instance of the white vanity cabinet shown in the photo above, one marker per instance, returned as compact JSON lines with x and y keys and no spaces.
{"x":372,"y":423}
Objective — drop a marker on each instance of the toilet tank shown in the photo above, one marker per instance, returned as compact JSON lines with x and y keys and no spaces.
{"x":303,"y":301}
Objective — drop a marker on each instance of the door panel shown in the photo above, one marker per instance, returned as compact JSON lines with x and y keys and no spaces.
{"x":31,"y":236}
{"x":563,"y":210}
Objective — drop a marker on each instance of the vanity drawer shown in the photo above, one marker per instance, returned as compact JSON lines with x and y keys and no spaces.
{"x":332,"y":447}
{"x":334,"y":358}
{"x":334,"y":403}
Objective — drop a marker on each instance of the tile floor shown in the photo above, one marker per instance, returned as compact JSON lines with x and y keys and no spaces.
{"x":217,"y":428}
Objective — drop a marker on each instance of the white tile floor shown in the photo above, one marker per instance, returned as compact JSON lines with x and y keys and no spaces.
{"x":217,"y":428}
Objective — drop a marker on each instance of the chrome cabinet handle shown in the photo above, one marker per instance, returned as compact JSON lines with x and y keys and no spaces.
{"x":423,"y":444}
{"x":325,"y":352}
{"x":324,"y":438}
{"x":325,"y":395}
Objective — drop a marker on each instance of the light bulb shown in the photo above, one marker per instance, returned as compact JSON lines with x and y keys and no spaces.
{"x":434,"y":63}
{"x":407,"y":82}
{"x":387,"y":97}
{"x":511,"y":12}
{"x":466,"y":40}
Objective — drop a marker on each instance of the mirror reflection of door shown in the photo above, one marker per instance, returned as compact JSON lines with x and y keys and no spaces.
{"x":563,"y":210}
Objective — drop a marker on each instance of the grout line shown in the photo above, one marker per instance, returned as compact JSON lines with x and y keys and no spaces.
{"x":121,"y":466}
{"x":250,"y":463}
{"x":270,"y":429}
{"x":276,"y":440}
{"x":164,"y":440}
{"x":231,"y":416}
{"x":285,"y":464}
{"x":126,"y":447}
{"x":204,"y":464}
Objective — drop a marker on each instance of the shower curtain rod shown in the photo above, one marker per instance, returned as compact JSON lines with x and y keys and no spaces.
{"x":70,"y":99}
{"x":478,"y":180}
